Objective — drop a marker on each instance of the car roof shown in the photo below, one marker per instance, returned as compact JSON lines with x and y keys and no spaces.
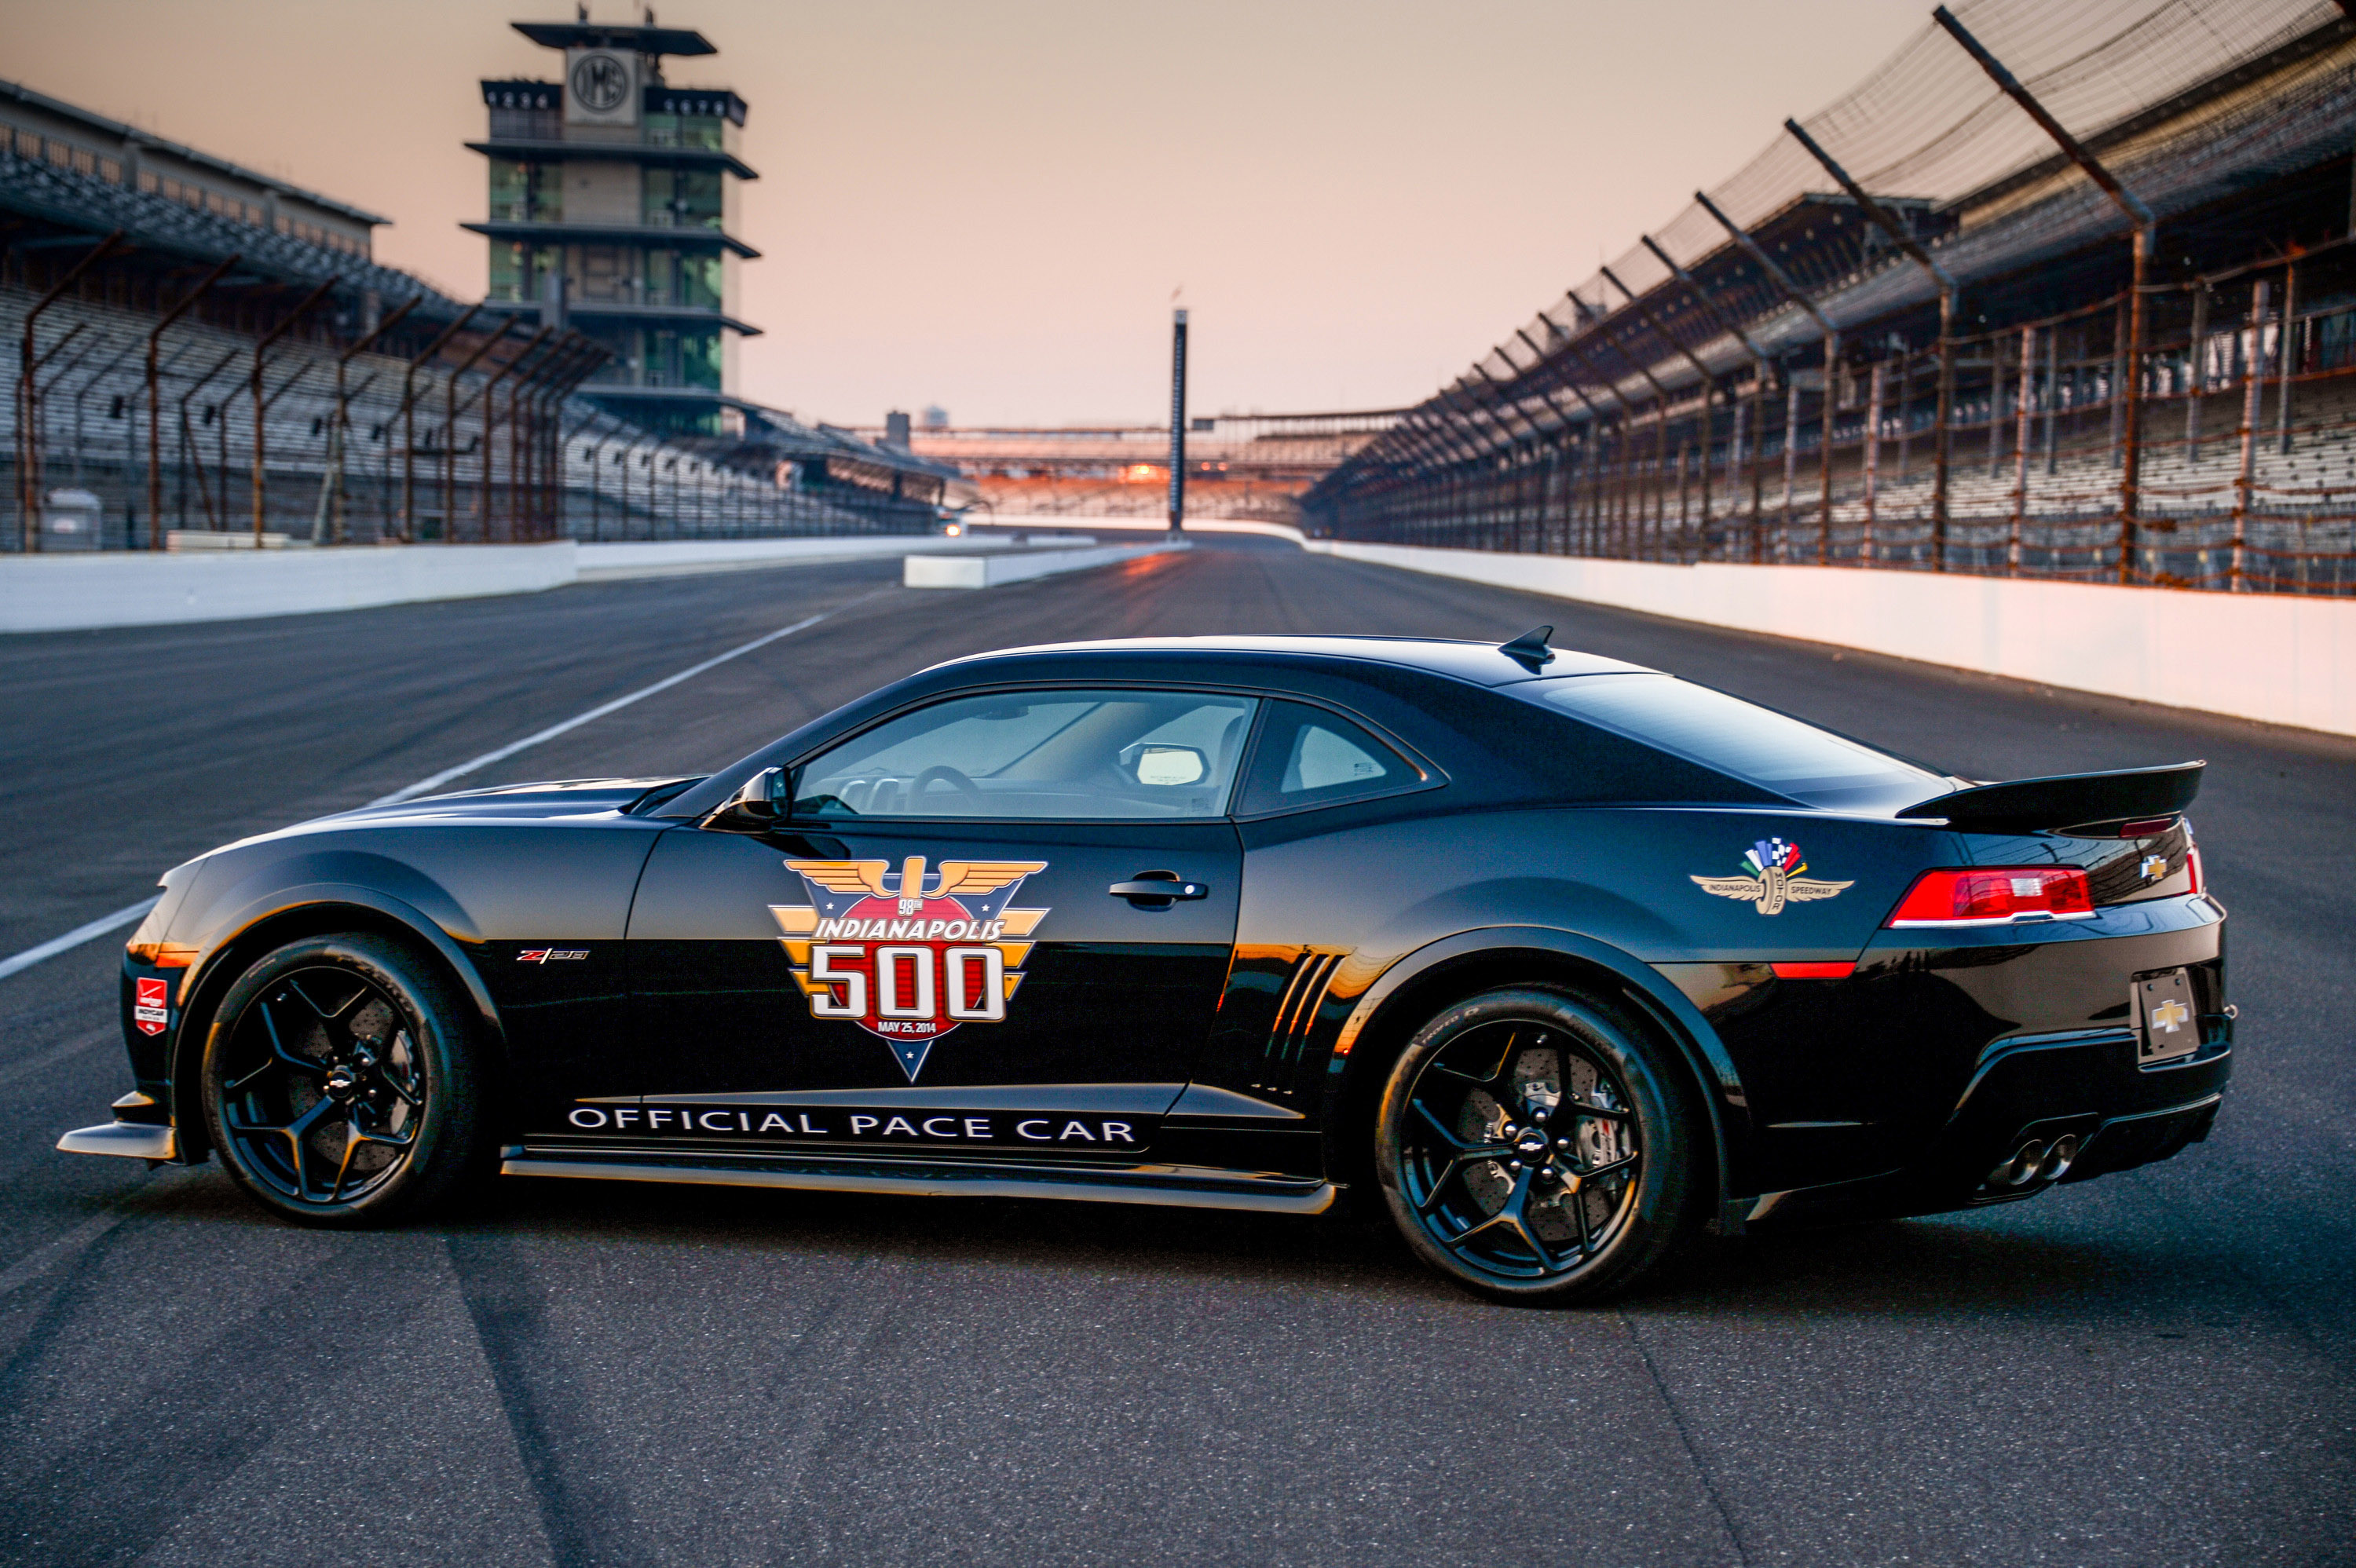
{"x":1483,"y":664}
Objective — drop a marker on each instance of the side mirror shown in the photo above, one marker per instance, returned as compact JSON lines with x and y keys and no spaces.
{"x":762,"y":803}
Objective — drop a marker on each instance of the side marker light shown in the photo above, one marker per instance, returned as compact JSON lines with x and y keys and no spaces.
{"x":1814,"y":971}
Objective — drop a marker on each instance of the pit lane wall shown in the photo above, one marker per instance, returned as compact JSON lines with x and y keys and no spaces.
{"x":142,"y":588}
{"x":148,"y":588}
{"x":2272,"y":657}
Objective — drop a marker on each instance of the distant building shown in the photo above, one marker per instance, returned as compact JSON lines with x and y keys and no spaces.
{"x":35,"y":125}
{"x":936,"y":416}
{"x":613,"y":197}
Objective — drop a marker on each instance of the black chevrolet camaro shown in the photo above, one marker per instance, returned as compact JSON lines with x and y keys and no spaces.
{"x":1562,"y":957}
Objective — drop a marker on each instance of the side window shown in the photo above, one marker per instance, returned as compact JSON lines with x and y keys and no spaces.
{"x":1307,"y":756}
{"x":1070,"y":755}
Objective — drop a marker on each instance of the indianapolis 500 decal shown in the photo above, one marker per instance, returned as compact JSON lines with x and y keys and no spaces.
{"x":908,"y":955}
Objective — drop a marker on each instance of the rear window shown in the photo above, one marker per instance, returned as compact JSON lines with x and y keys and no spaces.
{"x":1757,"y":745}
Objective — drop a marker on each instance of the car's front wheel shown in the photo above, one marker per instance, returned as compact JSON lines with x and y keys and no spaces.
{"x":1533,"y":1144}
{"x":338,"y":1082}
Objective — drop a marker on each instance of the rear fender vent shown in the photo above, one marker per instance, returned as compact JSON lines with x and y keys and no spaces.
{"x":1283,"y":1057}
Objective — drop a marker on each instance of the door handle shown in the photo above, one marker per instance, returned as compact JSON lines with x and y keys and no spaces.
{"x":1162,"y":889}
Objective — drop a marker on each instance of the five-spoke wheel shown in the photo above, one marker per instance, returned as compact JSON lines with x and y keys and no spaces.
{"x":337,"y":1083}
{"x":1530,"y":1144}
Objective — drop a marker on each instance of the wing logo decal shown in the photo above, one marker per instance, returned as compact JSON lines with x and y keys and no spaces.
{"x":1771,"y":878}
{"x":905,"y":954}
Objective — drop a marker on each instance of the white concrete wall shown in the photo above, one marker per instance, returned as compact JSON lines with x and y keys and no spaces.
{"x":1147,"y":525}
{"x":142,"y":588}
{"x":138,"y":588}
{"x":666,"y":557}
{"x":2272,"y":657}
{"x":993,"y":570}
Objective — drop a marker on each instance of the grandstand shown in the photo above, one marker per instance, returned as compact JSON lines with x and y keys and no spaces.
{"x":1922,"y":330}
{"x":1237,"y":466}
{"x":198,"y":368}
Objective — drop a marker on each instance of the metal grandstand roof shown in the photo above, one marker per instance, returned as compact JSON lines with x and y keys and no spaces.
{"x":40,"y":189}
{"x":64,"y":111}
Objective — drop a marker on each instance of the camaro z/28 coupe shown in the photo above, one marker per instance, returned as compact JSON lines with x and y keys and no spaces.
{"x":1561,"y":956}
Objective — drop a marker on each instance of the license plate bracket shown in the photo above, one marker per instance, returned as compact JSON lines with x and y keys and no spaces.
{"x":2168,"y":1024}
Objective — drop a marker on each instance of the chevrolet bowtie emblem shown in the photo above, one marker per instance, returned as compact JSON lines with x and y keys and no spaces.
{"x":2170,"y":1016}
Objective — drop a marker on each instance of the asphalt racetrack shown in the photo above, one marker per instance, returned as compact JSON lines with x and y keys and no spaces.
{"x":2154,"y":1367}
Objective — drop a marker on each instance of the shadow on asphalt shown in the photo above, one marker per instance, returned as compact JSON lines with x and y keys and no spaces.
{"x":1941,"y":1266}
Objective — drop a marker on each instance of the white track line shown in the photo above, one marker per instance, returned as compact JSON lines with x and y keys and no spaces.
{"x":553,"y":730}
{"x":77,"y":936}
{"x":123,"y":917}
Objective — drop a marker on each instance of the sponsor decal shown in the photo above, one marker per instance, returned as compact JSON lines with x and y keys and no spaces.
{"x":551,"y":955}
{"x":879,"y":1124}
{"x":151,"y":1004}
{"x":1771,"y":879}
{"x":909,"y":956}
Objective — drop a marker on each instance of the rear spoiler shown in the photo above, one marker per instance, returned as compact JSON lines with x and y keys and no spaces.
{"x":2070,"y":800}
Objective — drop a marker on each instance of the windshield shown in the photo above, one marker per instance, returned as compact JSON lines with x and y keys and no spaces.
{"x":1754,"y":743}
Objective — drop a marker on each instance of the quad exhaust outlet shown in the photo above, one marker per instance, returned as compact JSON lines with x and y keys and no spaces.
{"x":2036,"y":1161}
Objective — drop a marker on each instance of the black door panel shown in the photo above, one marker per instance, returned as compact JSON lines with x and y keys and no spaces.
{"x":780,"y":964}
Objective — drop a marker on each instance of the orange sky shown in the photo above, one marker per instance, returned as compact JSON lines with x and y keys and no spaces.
{"x":986,"y":205}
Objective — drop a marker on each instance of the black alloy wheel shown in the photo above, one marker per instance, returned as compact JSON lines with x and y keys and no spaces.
{"x":1536,"y":1147}
{"x":338,"y":1084}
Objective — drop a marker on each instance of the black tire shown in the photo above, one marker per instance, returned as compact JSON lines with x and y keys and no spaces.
{"x":339,"y":1083}
{"x":1536,"y":1147}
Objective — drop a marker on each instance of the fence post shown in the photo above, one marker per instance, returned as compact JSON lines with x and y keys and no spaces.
{"x":2286,"y":354}
{"x":2020,"y":451}
{"x":156,"y":404}
{"x":261,"y":405}
{"x":1872,"y":459}
{"x":409,"y":421}
{"x":2253,"y":377}
{"x":29,"y":435}
{"x":2196,"y":371}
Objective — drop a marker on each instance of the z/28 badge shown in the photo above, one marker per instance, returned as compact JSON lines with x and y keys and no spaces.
{"x":907,"y":957}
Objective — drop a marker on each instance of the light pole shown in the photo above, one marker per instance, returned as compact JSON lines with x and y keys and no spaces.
{"x":1177,"y":420}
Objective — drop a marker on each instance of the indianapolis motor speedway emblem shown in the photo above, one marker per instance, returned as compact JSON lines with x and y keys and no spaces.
{"x":906,"y":956}
{"x":1771,"y":879}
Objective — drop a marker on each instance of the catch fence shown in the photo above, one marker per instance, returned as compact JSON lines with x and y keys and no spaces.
{"x":1923,"y":330}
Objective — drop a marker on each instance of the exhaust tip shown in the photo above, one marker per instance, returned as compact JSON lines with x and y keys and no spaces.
{"x":2037,"y":1162}
{"x":2021,"y":1168}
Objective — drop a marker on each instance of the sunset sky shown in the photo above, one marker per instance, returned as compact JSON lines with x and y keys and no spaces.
{"x":988,"y":205}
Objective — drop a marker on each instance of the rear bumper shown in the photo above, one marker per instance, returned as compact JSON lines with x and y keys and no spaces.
{"x":2088,"y":1087}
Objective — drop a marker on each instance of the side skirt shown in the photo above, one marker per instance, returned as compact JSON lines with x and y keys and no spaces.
{"x":1170,"y":1186}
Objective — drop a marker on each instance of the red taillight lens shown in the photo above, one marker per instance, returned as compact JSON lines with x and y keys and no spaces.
{"x":2193,"y":865}
{"x":1992,"y":894}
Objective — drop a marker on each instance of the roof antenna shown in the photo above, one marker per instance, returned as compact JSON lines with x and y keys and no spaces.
{"x":1529,"y":648}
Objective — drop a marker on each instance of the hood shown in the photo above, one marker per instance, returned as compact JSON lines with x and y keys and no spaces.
{"x":508,"y":803}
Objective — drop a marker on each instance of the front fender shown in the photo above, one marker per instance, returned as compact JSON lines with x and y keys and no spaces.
{"x":1703,"y":1053}
{"x":237,"y":926}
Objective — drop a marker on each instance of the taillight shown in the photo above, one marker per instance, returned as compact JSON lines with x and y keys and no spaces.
{"x":1995,"y":895}
{"x":2193,"y":866}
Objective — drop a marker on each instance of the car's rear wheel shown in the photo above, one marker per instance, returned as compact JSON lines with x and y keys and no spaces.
{"x":1533,"y":1144}
{"x":339,"y":1082}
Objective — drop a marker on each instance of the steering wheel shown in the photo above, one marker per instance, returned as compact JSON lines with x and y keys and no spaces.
{"x":943,"y":772}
